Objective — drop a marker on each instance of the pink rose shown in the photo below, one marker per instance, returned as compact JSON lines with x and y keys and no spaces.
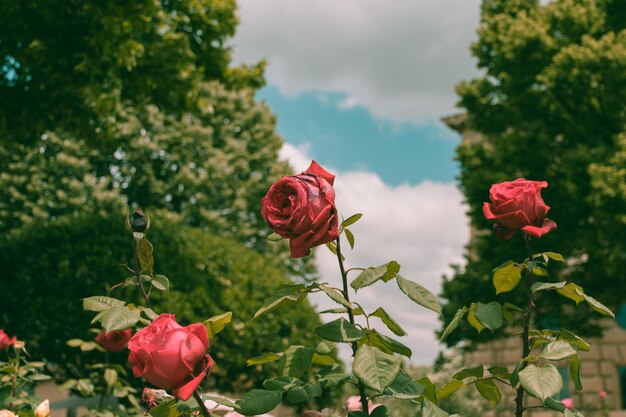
{"x":114,"y":341}
{"x":170,"y":356}
{"x":517,"y":205}
{"x":568,"y":403}
{"x":5,"y":340}
{"x":302,"y":209}
{"x":602,"y":394}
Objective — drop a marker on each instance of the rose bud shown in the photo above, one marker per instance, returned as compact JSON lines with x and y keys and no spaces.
{"x":517,"y":205}
{"x":170,"y":356}
{"x":114,"y":341}
{"x":5,"y":340}
{"x":43,"y":409}
{"x":302,"y":209}
{"x":139,"y":221}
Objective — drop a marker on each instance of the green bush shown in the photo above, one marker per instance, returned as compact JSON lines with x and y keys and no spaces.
{"x":47,"y":270}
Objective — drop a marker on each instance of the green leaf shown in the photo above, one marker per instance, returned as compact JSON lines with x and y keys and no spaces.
{"x":160,"y":282}
{"x":217,"y":323}
{"x":490,"y":315}
{"x":391,"y":344}
{"x":471,"y":319}
{"x":149,"y":313}
{"x":571,"y":291}
{"x":110,"y":376}
{"x":75,"y":342}
{"x":333,"y":379}
{"x":296,"y":395}
{"x":339,"y":310}
{"x":385,"y":272}
{"x":389,"y":321}
{"x":405,"y":388}
{"x":100,"y":303}
{"x":282,"y":298}
{"x":221,"y":401}
{"x":375,"y":368}
{"x":146,"y":259}
{"x":449,"y":389}
{"x":166,"y":409}
{"x":514,"y":378}
{"x":429,"y":409}
{"x":258,"y":401}
{"x":281,"y":383}
{"x":554,"y":256}
{"x":335,"y":295}
{"x":541,"y":286}
{"x":429,"y":388}
{"x":541,"y":382}
{"x":350,"y":237}
{"x":120,"y":318}
{"x":557,"y":350}
{"x":454,"y":323}
{"x":325,"y":347}
{"x":419,"y":294}
{"x":575,"y":374}
{"x":500,"y":371}
{"x":506,"y":277}
{"x":274,"y":237}
{"x":322,"y":359}
{"x":296,"y":361}
{"x":598,"y":306}
{"x":264,"y":358}
{"x":489,"y":390}
{"x":573,"y":340}
{"x":351,"y":220}
{"x":554,"y":404}
{"x":476,"y":372}
{"x":88,"y":346}
{"x":339,"y":330}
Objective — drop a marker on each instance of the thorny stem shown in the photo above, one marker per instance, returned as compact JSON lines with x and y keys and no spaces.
{"x":137,"y":270}
{"x":344,"y":278}
{"x":519,"y":399}
{"x":205,"y":411}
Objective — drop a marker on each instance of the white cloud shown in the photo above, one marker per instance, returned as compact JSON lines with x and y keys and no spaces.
{"x":399,"y":59}
{"x":423,"y":227}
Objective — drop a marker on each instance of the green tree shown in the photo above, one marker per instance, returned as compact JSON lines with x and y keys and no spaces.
{"x":550,"y":107}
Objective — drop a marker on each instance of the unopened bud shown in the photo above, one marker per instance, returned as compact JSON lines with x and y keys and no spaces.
{"x":43,"y":409}
{"x":139,"y":221}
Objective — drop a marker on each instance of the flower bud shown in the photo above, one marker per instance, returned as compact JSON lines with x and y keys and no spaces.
{"x":6,"y":413}
{"x":139,"y":221}
{"x":43,"y":409}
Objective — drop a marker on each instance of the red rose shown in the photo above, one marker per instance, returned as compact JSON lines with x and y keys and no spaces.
{"x":517,"y":205}
{"x":5,"y":340}
{"x":302,"y":209}
{"x":170,"y":356}
{"x":114,"y":341}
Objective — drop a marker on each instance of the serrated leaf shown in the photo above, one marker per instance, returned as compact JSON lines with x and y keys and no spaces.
{"x":454,"y":323}
{"x":541,"y":382}
{"x":419,"y":294}
{"x":557,"y":350}
{"x":351,"y":220}
{"x":335,"y":295}
{"x":339,"y":330}
{"x":221,"y":401}
{"x":598,"y":306}
{"x":389,"y":321}
{"x":571,"y":291}
{"x":100,"y":303}
{"x":448,"y":389}
{"x":368,"y":277}
{"x":489,"y":390}
{"x":296,"y":360}
{"x":476,"y":372}
{"x":506,"y":277}
{"x":375,"y":368}
{"x":120,"y":318}
{"x":264,"y":358}
{"x":490,"y":315}
{"x":339,"y":310}
{"x":258,"y":401}
{"x":146,"y":259}
{"x":575,"y":374}
{"x":541,"y":286}
{"x":160,"y":282}
{"x":350,"y":237}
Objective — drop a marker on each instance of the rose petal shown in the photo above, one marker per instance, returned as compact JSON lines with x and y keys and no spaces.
{"x":534,"y":231}
{"x":186,"y":390}
{"x":316,"y":169}
{"x":513,"y":220}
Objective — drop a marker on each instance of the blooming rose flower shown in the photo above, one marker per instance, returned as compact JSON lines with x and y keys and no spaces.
{"x":170,"y":356}
{"x":114,"y":341}
{"x":5,"y":340}
{"x":602,"y":394}
{"x":302,"y":209}
{"x":568,"y":403}
{"x":517,"y":205}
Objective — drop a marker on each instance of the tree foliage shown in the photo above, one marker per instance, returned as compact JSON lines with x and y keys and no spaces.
{"x":550,"y":107}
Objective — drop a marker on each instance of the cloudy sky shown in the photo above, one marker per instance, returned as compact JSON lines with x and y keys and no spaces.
{"x":360,"y":86}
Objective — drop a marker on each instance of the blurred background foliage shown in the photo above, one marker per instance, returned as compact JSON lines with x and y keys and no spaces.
{"x":109,"y":105}
{"x":550,"y":106}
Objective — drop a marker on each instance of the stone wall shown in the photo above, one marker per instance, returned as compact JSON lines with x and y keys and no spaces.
{"x":600,"y":372}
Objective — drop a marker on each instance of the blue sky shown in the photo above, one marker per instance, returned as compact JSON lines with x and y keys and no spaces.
{"x":352,"y":139}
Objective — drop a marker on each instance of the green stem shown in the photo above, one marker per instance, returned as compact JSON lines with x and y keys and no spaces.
{"x":519,"y":399}
{"x":205,"y":411}
{"x":344,"y":278}
{"x":137,"y":269}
